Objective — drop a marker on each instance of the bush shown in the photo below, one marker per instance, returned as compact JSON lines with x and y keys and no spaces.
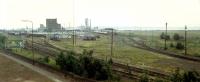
{"x":115,"y":77}
{"x":2,"y":41}
{"x":196,"y":54}
{"x":89,"y":53}
{"x":188,"y":76}
{"x":176,"y":76}
{"x":191,"y":76}
{"x":95,"y":68}
{"x":167,"y":37}
{"x":85,"y":64}
{"x":160,"y":80}
{"x":179,"y":46}
{"x":176,"y":37}
{"x":171,"y":45}
{"x":103,"y":72}
{"x":46,"y":59}
{"x":144,"y":78}
{"x":70,"y":63}
{"x":164,"y":36}
{"x":60,"y":61}
{"x":110,"y":61}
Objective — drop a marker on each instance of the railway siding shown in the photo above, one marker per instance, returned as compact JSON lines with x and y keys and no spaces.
{"x":143,"y":46}
{"x":115,"y":64}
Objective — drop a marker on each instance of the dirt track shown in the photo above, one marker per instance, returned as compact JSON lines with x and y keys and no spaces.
{"x":21,"y":72}
{"x":14,"y":72}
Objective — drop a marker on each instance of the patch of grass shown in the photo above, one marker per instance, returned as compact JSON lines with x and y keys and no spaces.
{"x":26,"y":53}
{"x":38,"y":57}
{"x":193,"y":40}
{"x":123,"y":53}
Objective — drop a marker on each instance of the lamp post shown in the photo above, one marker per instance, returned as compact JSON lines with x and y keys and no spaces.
{"x":31,"y":37}
{"x":185,"y":40}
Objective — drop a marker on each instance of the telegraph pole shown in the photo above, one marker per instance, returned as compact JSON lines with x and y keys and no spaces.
{"x":165,"y":36}
{"x":32,"y":45}
{"x":74,"y":32}
{"x":152,"y":37}
{"x":185,"y":40}
{"x":73,"y":38}
{"x":111,"y":43}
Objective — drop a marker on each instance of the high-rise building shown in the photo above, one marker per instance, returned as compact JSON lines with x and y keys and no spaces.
{"x":52,"y":25}
{"x":88,"y":24}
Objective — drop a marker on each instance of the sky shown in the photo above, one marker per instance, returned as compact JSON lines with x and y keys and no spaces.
{"x":121,"y":14}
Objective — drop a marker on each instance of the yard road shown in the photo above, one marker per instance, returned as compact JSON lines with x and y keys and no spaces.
{"x":43,"y":74}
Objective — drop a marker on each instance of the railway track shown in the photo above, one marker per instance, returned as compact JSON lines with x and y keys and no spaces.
{"x":145,"y":47}
{"x":42,"y":49}
{"x":140,"y":70}
{"x":134,"y":71}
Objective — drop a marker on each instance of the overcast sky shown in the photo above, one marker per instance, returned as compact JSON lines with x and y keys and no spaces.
{"x":115,"y":13}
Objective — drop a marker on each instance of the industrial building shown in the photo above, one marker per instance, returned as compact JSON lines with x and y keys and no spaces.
{"x":42,"y":28}
{"x":52,"y":25}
